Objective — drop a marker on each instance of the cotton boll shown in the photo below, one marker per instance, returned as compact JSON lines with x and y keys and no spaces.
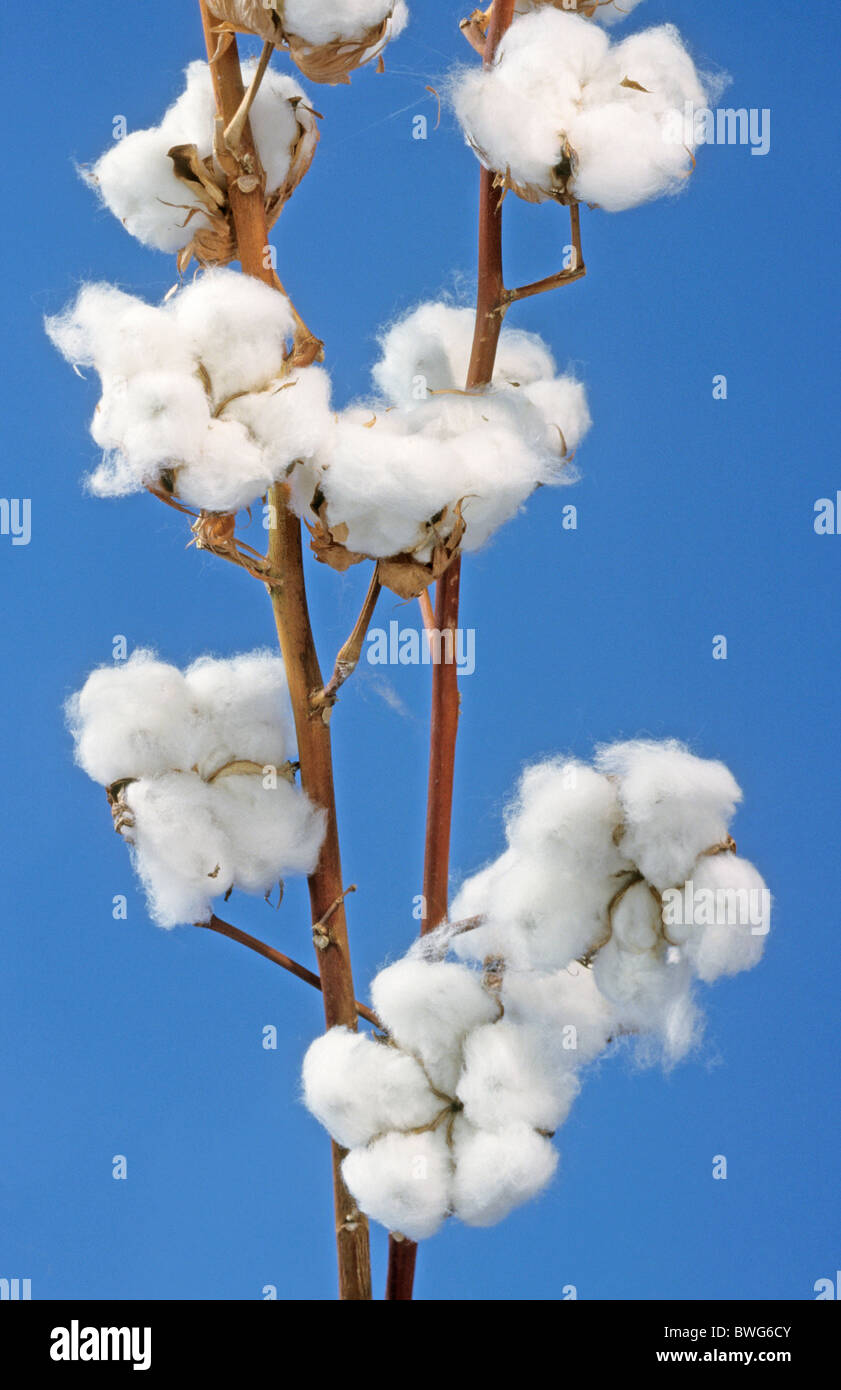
{"x":674,"y":805}
{"x":562,"y":114}
{"x":508,"y":1078}
{"x":732,"y":914}
{"x":243,"y":703}
{"x":274,"y":831}
{"x":181,"y":849}
{"x":134,"y":719}
{"x":358,"y":1088}
{"x":237,"y":326}
{"x":332,"y":20}
{"x":429,"y":1008}
{"x":229,"y":474}
{"x":290,"y":421}
{"x":137,"y":183}
{"x":494,"y":1173}
{"x":274,"y":123}
{"x":404,"y":1181}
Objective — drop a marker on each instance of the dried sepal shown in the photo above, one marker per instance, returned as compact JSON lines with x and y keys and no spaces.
{"x":330,"y":63}
{"x":408,"y":574}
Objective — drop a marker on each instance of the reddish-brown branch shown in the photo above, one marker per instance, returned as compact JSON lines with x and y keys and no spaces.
{"x":289,"y":603}
{"x":445,"y":695}
{"x":263,"y":949}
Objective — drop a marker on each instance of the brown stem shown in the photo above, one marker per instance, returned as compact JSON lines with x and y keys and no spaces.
{"x":263,"y":949}
{"x":445,"y":695}
{"x":289,"y":603}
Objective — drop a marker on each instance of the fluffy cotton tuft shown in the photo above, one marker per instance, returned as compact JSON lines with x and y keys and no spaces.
{"x":564,"y":114}
{"x":200,"y":763}
{"x":403,"y":474}
{"x":429,"y":1008}
{"x":360,"y":1089}
{"x":732,"y":908}
{"x":673,"y":805}
{"x":496,"y":1172}
{"x":136,"y":178}
{"x":197,"y":390}
{"x":403,"y":1181}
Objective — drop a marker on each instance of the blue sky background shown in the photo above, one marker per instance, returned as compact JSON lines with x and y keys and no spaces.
{"x":695,"y":519}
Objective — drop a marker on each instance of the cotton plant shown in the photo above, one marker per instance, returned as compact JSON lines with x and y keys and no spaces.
{"x":576,"y":935}
{"x":619,"y":888}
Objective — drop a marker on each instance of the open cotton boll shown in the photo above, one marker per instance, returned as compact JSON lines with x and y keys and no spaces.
{"x":237,"y":326}
{"x":359,"y":1088}
{"x":563,"y":114}
{"x":508,"y":1078}
{"x":428,"y":1008}
{"x":134,"y":719}
{"x":607,"y":12}
{"x":273,"y":830}
{"x":331,"y":20}
{"x":137,"y":183}
{"x":732,"y":910}
{"x":136,"y":178}
{"x":674,"y":805}
{"x":404,"y":1181}
{"x":291,"y":421}
{"x":496,"y":1172}
{"x":243,"y":706}
{"x":181,"y":849}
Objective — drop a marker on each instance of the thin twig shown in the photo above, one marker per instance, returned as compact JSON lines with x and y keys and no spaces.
{"x":299,"y":971}
{"x":349,"y":653}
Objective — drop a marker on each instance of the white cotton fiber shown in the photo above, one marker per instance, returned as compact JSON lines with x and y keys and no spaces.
{"x":136,"y":178}
{"x":198,"y":388}
{"x":132,"y":719}
{"x":732,"y":917}
{"x":561,"y":112}
{"x":651,"y":995}
{"x":244,"y":710}
{"x":359,"y":1088}
{"x":565,"y":1005}
{"x":404,"y":1181}
{"x":674,"y":805}
{"x":238,"y":327}
{"x":201,"y":826}
{"x":328,"y":21}
{"x":429,"y":1008}
{"x":607,"y":12}
{"x":636,"y":919}
{"x":508,"y":1078}
{"x":180,"y":847}
{"x":496,"y":1172}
